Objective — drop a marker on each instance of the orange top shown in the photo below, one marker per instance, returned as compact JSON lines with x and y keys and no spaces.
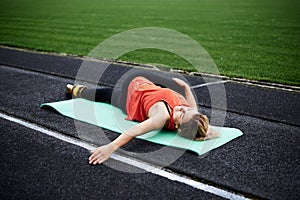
{"x":142,"y":94}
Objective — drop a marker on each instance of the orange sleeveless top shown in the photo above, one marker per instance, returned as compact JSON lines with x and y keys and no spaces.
{"x":142,"y":94}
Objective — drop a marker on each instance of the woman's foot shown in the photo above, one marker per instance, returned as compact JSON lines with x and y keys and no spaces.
{"x":74,"y":90}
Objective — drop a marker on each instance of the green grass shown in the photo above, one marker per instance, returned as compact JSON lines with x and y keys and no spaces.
{"x":252,"y":39}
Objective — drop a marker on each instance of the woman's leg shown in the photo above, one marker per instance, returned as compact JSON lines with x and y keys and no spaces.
{"x":118,"y":95}
{"x":103,"y":95}
{"x":97,"y":94}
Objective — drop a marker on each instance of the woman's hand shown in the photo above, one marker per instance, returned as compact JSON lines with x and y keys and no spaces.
{"x":181,"y":83}
{"x":156,"y":122}
{"x":101,"y":154}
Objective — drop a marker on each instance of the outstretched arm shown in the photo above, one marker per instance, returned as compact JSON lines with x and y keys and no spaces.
{"x":188,"y":92}
{"x":103,"y":153}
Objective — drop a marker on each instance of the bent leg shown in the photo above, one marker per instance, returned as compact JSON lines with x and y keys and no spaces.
{"x":118,"y":96}
{"x":97,"y":94}
{"x":103,"y":95}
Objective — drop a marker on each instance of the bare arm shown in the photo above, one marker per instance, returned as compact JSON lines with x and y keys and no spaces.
{"x":146,"y":126}
{"x":102,"y":153}
{"x":188,"y":92}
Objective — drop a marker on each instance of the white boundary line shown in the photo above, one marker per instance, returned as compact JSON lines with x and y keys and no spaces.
{"x":130,"y":161}
{"x":207,"y":84}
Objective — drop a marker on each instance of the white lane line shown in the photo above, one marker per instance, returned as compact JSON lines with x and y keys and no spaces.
{"x":207,"y":84}
{"x":130,"y":161}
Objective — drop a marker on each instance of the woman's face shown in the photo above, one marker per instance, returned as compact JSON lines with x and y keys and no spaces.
{"x":182,"y":114}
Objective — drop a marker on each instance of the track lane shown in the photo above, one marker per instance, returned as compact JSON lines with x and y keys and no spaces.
{"x":142,"y":167}
{"x":227,"y":172}
{"x":260,"y":102}
{"x":37,"y":166}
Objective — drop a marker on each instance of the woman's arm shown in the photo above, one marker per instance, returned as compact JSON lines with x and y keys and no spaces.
{"x":188,"y":93}
{"x":103,"y":153}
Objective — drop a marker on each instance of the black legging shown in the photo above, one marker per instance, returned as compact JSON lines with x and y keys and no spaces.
{"x":98,"y":94}
{"x":117,"y":96}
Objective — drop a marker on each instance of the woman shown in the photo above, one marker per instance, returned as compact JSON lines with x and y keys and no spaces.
{"x":154,"y":106}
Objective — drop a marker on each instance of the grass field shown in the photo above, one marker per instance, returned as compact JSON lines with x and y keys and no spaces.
{"x":252,"y":39}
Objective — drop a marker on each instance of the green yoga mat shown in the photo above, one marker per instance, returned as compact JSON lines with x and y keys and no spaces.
{"x":112,"y":118}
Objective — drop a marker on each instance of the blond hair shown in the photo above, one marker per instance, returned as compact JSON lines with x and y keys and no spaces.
{"x":197,"y":128}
